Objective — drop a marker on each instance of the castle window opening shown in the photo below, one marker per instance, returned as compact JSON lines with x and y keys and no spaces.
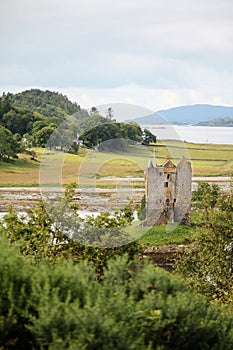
{"x":165,"y":184}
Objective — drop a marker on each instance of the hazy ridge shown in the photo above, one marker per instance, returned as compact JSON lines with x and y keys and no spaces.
{"x":192,"y":114}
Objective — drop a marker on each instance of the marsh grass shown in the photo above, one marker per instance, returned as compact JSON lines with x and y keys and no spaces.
{"x":207,"y":160}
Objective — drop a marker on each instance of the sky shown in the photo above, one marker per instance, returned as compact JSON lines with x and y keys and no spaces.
{"x":153,"y":53}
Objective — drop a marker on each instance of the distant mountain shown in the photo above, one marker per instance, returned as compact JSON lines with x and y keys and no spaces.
{"x":192,"y":114}
{"x":227,"y":121}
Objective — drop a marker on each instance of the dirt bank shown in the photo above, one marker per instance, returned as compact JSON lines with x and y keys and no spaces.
{"x":164,"y":256}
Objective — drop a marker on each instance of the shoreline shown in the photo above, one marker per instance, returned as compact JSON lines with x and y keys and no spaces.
{"x":92,"y":199}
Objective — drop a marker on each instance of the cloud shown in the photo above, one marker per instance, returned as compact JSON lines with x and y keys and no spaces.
{"x":148,"y":98}
{"x":144,"y":98}
{"x":94,"y":45}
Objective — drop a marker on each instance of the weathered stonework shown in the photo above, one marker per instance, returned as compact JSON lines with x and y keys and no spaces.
{"x":168,"y":193}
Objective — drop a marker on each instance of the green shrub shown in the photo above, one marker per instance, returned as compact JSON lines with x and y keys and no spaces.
{"x":135,"y":306}
{"x":15,"y":289}
{"x":208,"y":264}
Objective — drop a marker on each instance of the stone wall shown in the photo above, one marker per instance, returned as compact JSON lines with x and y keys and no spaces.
{"x":183,"y":192}
{"x":154,"y":189}
{"x":168,"y":193}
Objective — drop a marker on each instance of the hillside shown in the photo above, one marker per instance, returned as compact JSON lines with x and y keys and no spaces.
{"x":29,"y":119}
{"x":227,"y":121}
{"x":47,"y":103}
{"x":192,"y":114}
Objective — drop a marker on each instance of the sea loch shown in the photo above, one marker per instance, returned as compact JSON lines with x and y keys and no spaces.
{"x":190,"y":133}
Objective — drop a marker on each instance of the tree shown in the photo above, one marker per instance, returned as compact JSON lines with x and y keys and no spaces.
{"x":5,"y":105}
{"x":8,"y":144}
{"x":50,"y":232}
{"x":208,"y":264}
{"x":18,"y":121}
{"x":89,"y":123}
{"x":131,"y":131}
{"x":148,"y":137}
{"x":206,"y":195}
{"x":112,"y":136}
{"x":94,"y":111}
{"x":48,"y":103}
{"x":74,"y":148}
{"x":110,"y":114}
{"x":42,"y":137}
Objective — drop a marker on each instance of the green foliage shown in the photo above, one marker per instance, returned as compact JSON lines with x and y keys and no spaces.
{"x":169,"y":234}
{"x":50,"y":232}
{"x":19,"y":121}
{"x":43,"y":135}
{"x":112,"y":136}
{"x":63,"y":137}
{"x":148,"y":137}
{"x":91,"y":122}
{"x":99,"y":300}
{"x":206,"y":195}
{"x":74,"y":149}
{"x":15,"y":291}
{"x":35,"y":114}
{"x":5,"y":105}
{"x":135,"y":306}
{"x":208,"y":264}
{"x":8,"y":144}
{"x":47,"y":103}
{"x":204,"y":199}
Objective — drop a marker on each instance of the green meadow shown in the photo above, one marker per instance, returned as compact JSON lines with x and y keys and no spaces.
{"x":169,"y":234}
{"x":93,"y":168}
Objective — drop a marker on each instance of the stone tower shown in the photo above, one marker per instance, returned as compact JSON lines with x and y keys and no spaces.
{"x":168,"y":193}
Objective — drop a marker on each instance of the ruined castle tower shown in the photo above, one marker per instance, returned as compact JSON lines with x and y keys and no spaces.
{"x":168,"y":193}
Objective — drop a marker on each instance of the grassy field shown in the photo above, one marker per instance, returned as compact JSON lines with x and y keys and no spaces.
{"x":168,"y":235}
{"x":206,"y":159}
{"x":92,"y":168}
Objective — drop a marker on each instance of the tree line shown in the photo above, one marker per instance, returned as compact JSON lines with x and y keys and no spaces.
{"x":36,"y":118}
{"x":23,"y":126}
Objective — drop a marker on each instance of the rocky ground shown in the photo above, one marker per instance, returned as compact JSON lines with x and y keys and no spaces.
{"x":96,"y":199}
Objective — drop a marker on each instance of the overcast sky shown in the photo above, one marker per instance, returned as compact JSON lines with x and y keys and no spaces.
{"x":153,"y":53}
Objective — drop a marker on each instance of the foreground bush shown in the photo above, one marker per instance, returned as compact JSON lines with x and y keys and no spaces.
{"x":135,"y":306}
{"x":208,"y":264}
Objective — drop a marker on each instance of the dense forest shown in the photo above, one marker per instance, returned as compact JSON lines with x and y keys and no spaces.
{"x":29,"y":119}
{"x":36,"y":118}
{"x":47,"y":103}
